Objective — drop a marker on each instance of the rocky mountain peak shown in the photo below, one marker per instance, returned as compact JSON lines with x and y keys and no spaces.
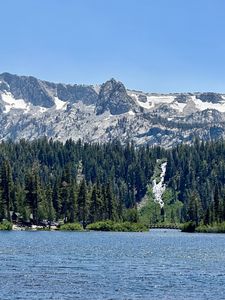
{"x":114,"y":98}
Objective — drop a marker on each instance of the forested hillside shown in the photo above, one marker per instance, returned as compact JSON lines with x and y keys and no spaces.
{"x":86,"y":183}
{"x":197,"y":174}
{"x":73,"y":181}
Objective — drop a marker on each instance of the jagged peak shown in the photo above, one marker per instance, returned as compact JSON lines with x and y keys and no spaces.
{"x":113,"y":82}
{"x":114,"y":98}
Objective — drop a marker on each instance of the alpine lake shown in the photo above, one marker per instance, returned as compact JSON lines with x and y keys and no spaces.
{"x":159,"y":264}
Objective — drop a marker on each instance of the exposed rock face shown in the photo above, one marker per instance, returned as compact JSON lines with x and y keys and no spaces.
{"x":113,"y":97}
{"x":142,"y":98}
{"x":29,"y":89}
{"x":32,"y":108}
{"x":182,"y":98}
{"x":42,"y":93}
{"x":210,"y":97}
{"x":75,"y":93}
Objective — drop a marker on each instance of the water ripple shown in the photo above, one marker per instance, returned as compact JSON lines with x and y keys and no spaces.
{"x":161,"y":264}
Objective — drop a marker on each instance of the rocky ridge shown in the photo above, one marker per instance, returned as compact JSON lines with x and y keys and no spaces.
{"x":32,"y":108}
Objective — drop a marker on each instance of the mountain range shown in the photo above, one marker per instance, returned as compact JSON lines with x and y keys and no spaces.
{"x":31,"y":108}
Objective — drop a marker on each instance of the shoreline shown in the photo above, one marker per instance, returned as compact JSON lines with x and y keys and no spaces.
{"x":112,"y":228}
{"x":33,"y":228}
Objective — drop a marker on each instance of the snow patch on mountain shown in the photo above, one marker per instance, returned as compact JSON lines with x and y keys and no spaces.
{"x":178,"y":106}
{"x":12,"y":103}
{"x":59,"y":104}
{"x":192,"y":101}
{"x":200,"y":105}
{"x":154,"y":100}
{"x":158,"y":99}
{"x":145,"y":105}
{"x":131,"y":113}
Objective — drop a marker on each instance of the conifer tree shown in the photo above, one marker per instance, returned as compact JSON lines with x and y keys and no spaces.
{"x":72,"y":204}
{"x":110,"y":202}
{"x":82,"y":203}
{"x":6,"y":187}
{"x":49,"y":202}
{"x":33,"y":191}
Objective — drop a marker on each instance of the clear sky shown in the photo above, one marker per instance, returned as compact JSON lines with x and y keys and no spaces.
{"x":150,"y":45}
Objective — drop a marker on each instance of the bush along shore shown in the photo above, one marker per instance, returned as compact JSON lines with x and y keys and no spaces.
{"x":117,"y":226}
{"x":107,"y":225}
{"x":213,"y":228}
{"x":6,"y":225}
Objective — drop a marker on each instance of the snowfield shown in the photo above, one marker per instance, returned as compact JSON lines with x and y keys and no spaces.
{"x":155,"y":101}
{"x":12,"y":103}
{"x":59,"y":104}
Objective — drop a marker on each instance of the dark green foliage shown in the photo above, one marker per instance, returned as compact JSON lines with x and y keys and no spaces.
{"x":6,"y":225}
{"x":88,"y":183}
{"x":214,"y":228}
{"x":96,"y":204}
{"x":33,"y":193}
{"x":188,"y":227}
{"x":73,"y":182}
{"x":71,"y":227}
{"x":6,"y":189}
{"x":117,"y":226}
{"x":131,"y":215}
{"x":82,"y":202}
{"x":196,"y":174}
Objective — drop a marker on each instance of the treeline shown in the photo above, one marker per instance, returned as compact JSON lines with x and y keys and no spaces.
{"x":196,"y":174}
{"x":87,"y":183}
{"x":49,"y":180}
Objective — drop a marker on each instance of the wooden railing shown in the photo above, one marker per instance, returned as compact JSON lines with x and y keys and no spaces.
{"x":161,"y":226}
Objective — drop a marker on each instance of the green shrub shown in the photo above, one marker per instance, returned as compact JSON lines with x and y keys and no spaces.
{"x":71,"y":227}
{"x":215,"y":228}
{"x":101,"y":226}
{"x":188,"y":227}
{"x":117,"y":226}
{"x":5,"y":225}
{"x":131,"y":215}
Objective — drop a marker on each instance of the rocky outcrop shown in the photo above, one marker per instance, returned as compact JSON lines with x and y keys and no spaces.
{"x":113,"y":97}
{"x":75,"y":93}
{"x":142,"y":98}
{"x":182,"y":98}
{"x":29,"y":89}
{"x":210,"y":97}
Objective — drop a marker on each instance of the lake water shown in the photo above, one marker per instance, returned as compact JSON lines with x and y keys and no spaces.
{"x":160,"y":264}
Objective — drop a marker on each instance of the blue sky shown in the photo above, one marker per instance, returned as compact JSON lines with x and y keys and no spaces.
{"x":150,"y":45}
